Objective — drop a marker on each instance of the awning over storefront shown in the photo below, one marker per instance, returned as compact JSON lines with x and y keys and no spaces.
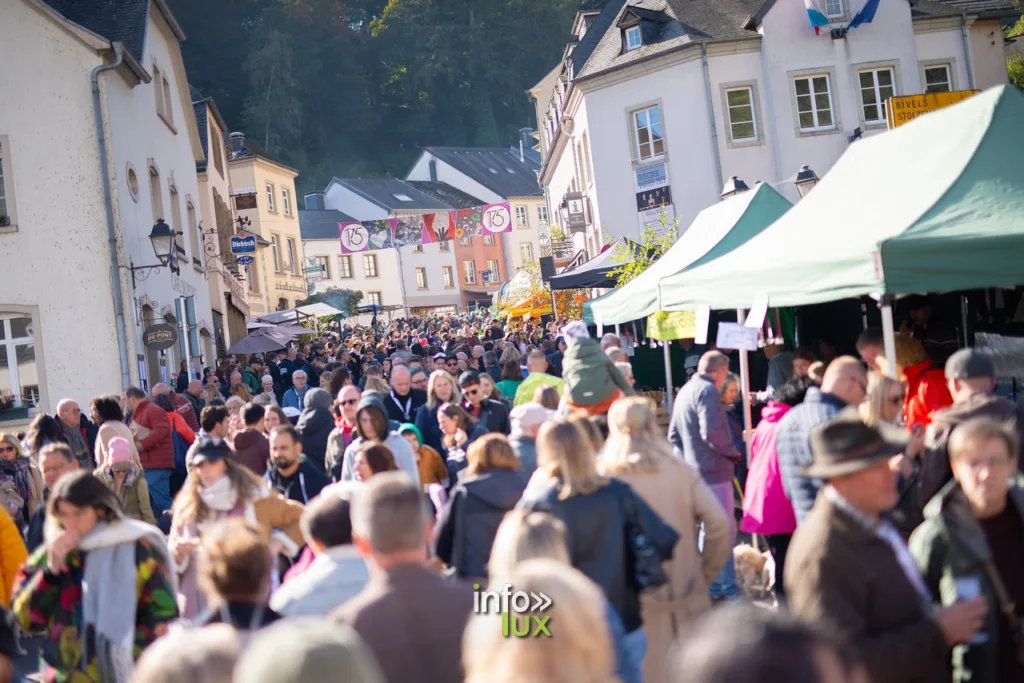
{"x":596,"y":273}
{"x":935,"y":205}
{"x":716,"y":230}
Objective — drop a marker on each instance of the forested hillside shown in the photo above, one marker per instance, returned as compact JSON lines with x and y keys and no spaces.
{"x":355,"y":88}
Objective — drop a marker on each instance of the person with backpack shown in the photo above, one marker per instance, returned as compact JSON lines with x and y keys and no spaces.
{"x":182,"y":438}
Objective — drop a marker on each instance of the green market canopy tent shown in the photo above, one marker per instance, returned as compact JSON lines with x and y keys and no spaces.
{"x":935,"y":205}
{"x":597,"y":272}
{"x":717,"y":230}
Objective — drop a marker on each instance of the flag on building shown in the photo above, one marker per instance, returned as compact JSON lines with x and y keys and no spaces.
{"x":817,"y":17}
{"x":865,"y":15}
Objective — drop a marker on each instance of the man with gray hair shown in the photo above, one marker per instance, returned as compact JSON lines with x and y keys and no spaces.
{"x":527,"y":420}
{"x":411,"y":618}
{"x":610,"y":341}
{"x":79,"y":432}
{"x":700,"y":435}
{"x":296,"y":396}
{"x":491,"y":367}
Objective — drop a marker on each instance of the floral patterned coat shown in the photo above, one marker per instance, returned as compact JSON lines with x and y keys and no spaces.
{"x":45,"y":602}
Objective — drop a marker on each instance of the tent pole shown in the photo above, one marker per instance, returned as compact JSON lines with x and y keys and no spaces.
{"x":668,"y":374}
{"x":745,"y":382}
{"x":963,"y":318}
{"x":617,"y":332}
{"x":554,"y":305}
{"x":888,"y":334}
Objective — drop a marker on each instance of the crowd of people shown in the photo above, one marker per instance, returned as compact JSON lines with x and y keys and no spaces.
{"x":328,"y":512}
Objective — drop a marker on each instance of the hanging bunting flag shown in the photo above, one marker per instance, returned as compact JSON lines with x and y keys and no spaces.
{"x":427,"y":228}
{"x":817,"y":17}
{"x":865,"y":16}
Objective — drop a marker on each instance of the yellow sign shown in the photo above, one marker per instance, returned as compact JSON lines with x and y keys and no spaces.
{"x":901,"y":110}
{"x":665,"y":325}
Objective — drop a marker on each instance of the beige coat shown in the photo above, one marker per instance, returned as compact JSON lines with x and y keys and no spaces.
{"x":679,"y":495}
{"x":107,"y":431}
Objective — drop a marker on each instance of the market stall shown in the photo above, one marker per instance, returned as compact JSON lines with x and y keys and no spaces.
{"x":597,"y":272}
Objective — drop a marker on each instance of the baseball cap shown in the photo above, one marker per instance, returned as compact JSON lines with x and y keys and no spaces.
{"x":469,"y":377}
{"x":440,"y":354}
{"x":970,"y":364}
{"x":210,"y":450}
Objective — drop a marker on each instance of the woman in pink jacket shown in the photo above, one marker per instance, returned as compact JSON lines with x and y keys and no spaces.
{"x":767,"y":511}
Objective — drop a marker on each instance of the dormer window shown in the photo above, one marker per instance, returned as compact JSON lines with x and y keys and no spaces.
{"x":633,"y":38}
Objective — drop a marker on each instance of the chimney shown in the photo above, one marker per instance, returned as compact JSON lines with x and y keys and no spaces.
{"x":237,"y":143}
{"x":525,"y":142}
{"x":433,"y":170}
{"x":315,"y":201}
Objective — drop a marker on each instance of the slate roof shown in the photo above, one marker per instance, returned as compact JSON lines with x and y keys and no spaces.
{"x":693,"y":21}
{"x":443,"y":192}
{"x":321,"y":225}
{"x":498,"y":169}
{"x":382,"y":191}
{"x":121,"y":21}
{"x":250,"y":151}
{"x":200,"y":105}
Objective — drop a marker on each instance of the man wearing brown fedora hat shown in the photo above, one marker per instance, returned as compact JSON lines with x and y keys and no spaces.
{"x":848,"y":566}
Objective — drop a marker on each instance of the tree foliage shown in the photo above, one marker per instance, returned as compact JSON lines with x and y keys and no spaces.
{"x":654,"y":242}
{"x":345,"y":300}
{"x":357,"y":87}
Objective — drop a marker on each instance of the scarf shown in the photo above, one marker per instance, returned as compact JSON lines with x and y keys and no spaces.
{"x":109,"y":597}
{"x":75,"y":440}
{"x":220,"y":496}
{"x":18,"y":470}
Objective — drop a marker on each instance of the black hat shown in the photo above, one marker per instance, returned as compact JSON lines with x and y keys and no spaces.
{"x":847,"y":445}
{"x":210,"y":450}
{"x":469,"y":377}
{"x":970,"y":364}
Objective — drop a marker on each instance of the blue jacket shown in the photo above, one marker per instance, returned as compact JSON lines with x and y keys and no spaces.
{"x":294,"y":399}
{"x":699,"y":431}
{"x":426,"y":422}
{"x":793,"y":445}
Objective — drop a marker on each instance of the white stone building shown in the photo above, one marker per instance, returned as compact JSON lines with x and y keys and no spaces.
{"x":66,"y":239}
{"x":659,"y":102}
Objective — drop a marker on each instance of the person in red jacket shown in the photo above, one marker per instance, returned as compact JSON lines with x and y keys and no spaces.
{"x":152,"y":430}
{"x":179,"y":403}
{"x":926,"y":384}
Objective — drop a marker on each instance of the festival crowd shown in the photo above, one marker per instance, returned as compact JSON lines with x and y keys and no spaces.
{"x":332,"y":512}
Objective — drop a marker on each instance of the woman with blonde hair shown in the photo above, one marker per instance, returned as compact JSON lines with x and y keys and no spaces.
{"x":548,"y":397}
{"x":926,"y":384}
{"x":211,"y":395}
{"x":243,"y":392}
{"x":217,"y":489}
{"x":491,"y":487}
{"x":376,"y":384}
{"x":637,"y":453}
{"x":441,"y":388}
{"x":21,"y":483}
{"x":581,"y":651}
{"x":234,"y":404}
{"x":609,"y":524}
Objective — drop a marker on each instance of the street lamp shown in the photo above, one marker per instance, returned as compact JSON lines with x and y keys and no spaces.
{"x":162,"y":238}
{"x":805,"y":179}
{"x":733,"y":186}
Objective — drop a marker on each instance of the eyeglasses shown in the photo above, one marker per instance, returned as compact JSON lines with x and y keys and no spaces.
{"x":350,"y":401}
{"x":8,"y":449}
{"x":471,"y":392}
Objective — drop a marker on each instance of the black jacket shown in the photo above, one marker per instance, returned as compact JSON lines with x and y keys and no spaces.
{"x":426,"y":422}
{"x":315,"y":426}
{"x":495,"y":372}
{"x":554,"y":363}
{"x":598,"y":546}
{"x":241,"y":615}
{"x":494,"y":416}
{"x":467,"y":526}
{"x":303,"y":486}
{"x":455,"y":458}
{"x":396,"y":405}
{"x":34,"y":535}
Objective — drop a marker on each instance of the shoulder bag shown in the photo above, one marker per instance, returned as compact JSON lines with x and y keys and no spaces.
{"x":1009,"y":610}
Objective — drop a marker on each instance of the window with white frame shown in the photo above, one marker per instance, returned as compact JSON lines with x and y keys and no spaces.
{"x":521,"y":220}
{"x":448,"y":276}
{"x":374,"y":298}
{"x":325,"y":266}
{"x":6,"y":205}
{"x":542,"y":216}
{"x":936,"y":79}
{"x":742,"y":126}
{"x":492,"y":268}
{"x":156,"y":196}
{"x":587,"y":166}
{"x":369,"y":265}
{"x":650,"y":144}
{"x":275,"y":249}
{"x":345,"y":267}
{"x":19,"y":376}
{"x":470,"y":271}
{"x":194,"y":238}
{"x":489,"y":240}
{"x":444,"y":245}
{"x":814,"y":103}
{"x":633,"y":38}
{"x":168,"y":102}
{"x":466,"y":240}
{"x":421,"y":278}
{"x":252,"y":277}
{"x":270,"y":198}
{"x":876,"y":86}
{"x":293,"y":261}
{"x":286,"y":202}
{"x":526,"y":252}
{"x":834,"y":8}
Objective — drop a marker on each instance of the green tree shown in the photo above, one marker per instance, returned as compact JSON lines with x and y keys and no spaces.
{"x":345,"y":300}
{"x":654,"y":242}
